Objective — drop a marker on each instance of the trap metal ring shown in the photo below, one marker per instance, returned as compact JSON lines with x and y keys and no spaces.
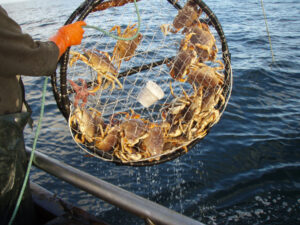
{"x":148,"y":100}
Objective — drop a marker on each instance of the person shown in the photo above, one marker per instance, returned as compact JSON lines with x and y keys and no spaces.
{"x":21,"y":55}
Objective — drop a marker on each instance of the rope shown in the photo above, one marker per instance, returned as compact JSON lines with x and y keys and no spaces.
{"x":267,"y":29}
{"x":31,"y":155}
{"x":118,"y":37}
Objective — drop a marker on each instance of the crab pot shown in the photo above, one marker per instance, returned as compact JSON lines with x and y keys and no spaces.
{"x":177,"y":45}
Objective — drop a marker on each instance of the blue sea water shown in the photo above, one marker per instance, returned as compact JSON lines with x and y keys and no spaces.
{"x":245,"y":171}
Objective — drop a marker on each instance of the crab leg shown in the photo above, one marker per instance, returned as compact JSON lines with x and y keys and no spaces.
{"x":166,"y":28}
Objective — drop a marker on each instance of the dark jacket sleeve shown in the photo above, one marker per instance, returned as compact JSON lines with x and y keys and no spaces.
{"x":20,"y":54}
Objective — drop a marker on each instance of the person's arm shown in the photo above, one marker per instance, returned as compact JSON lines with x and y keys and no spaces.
{"x":20,"y":54}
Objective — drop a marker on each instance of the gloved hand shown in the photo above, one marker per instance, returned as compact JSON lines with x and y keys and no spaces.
{"x":68,"y":35}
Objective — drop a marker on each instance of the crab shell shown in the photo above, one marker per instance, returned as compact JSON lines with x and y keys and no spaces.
{"x":100,"y":62}
{"x":87,"y":124}
{"x":124,"y":50}
{"x":181,"y":63}
{"x":154,"y":143}
{"x":127,"y":48}
{"x":205,"y":76}
{"x":211,"y":97}
{"x":187,"y":15}
{"x":133,"y":130}
{"x":108,"y":142}
{"x":203,"y":37}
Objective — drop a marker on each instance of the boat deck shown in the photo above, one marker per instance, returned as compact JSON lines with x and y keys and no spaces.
{"x":54,"y":211}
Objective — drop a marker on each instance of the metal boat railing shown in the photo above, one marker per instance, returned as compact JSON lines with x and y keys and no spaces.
{"x":110,"y":193}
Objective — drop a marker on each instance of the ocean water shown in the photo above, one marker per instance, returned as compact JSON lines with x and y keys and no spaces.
{"x":245,"y":171}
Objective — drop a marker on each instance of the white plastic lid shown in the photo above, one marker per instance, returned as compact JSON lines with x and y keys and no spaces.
{"x":150,"y":94}
{"x":155,"y":89}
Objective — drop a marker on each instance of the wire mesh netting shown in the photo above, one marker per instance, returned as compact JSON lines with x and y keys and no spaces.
{"x":147,"y":100}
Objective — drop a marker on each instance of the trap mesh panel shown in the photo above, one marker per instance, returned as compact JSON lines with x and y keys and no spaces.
{"x":181,"y":50}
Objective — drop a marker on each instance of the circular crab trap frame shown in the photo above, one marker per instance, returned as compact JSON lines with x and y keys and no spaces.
{"x":147,"y":100}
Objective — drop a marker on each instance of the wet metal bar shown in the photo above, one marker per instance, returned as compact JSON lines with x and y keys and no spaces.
{"x":119,"y":197}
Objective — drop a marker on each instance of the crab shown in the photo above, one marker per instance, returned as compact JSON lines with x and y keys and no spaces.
{"x":124,"y":50}
{"x":176,"y":143}
{"x":173,"y":136}
{"x":132,"y":131}
{"x":201,"y":74}
{"x":116,"y":130}
{"x":153,"y":144}
{"x":128,"y":157}
{"x":140,"y":140}
{"x":108,"y":139}
{"x":210,"y":119}
{"x":173,"y":112}
{"x":111,"y":3}
{"x":204,"y":42}
{"x":193,"y":115}
{"x":100,"y":62}
{"x":88,"y":123}
{"x":173,"y":115}
{"x":212,"y":97}
{"x":183,"y":115}
{"x":180,"y":65}
{"x":192,"y":54}
{"x":202,"y":111}
{"x":81,"y":92}
{"x":185,"y":18}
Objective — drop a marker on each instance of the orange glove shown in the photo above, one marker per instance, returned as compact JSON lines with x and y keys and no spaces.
{"x":68,"y":35}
